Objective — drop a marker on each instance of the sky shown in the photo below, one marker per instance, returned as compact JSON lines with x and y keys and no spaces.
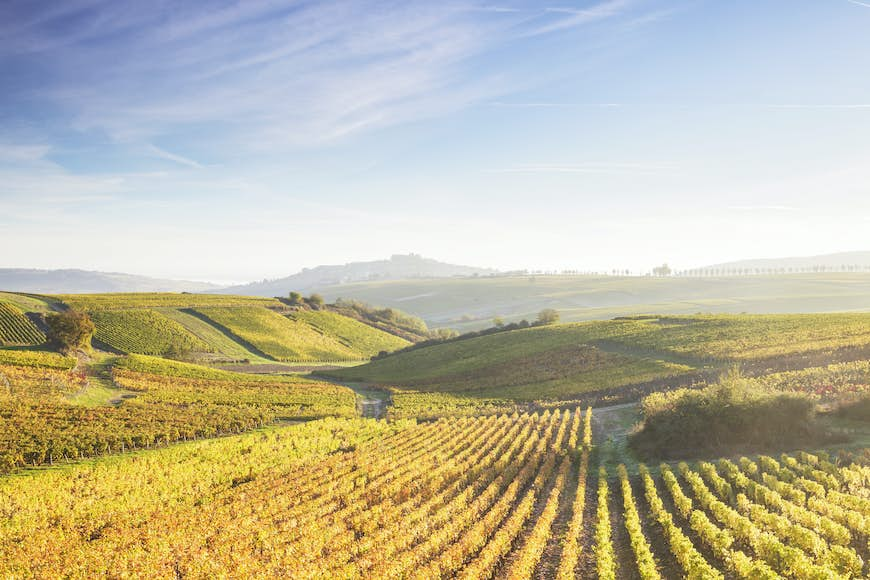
{"x":236,"y":141}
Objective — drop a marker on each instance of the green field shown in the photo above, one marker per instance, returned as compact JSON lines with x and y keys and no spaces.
{"x":16,"y":328}
{"x":472,"y":303}
{"x":128,"y":300}
{"x":218,"y":341}
{"x":362,"y":338}
{"x":144,"y":331}
{"x":278,"y":336}
{"x":569,"y":361}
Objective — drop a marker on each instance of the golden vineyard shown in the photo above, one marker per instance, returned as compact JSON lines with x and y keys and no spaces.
{"x":510,"y":496}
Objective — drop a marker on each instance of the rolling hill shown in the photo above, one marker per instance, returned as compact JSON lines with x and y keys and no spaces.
{"x":839,"y":262}
{"x":610,"y":360}
{"x":69,"y":281}
{"x":398,"y":267}
{"x":205,"y":327}
{"x":472,"y":303}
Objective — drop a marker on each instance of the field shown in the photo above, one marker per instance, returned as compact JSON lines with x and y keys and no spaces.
{"x":615,"y":360}
{"x":144,"y":331}
{"x":486,"y":467}
{"x":472,"y":303}
{"x":212,"y":329}
{"x":278,"y":336}
{"x":43,"y":418}
{"x":515,"y":496}
{"x":127,"y":301}
{"x":16,"y":328}
{"x":363,"y":339}
{"x":219,"y":342}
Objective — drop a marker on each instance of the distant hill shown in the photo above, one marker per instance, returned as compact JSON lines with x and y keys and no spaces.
{"x":398,"y":267}
{"x":840,"y":262}
{"x":84,"y":281}
{"x":472,"y":303}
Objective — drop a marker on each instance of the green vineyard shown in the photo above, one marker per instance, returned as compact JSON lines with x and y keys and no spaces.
{"x":508,"y":496}
{"x":278,"y":336}
{"x":16,"y":328}
{"x":144,"y":331}
{"x":362,"y":338}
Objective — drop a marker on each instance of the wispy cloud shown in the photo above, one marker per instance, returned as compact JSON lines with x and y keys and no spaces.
{"x":589,"y":168}
{"x":267,"y":74}
{"x":552,"y":105}
{"x":181,"y":160}
{"x":859,"y":3}
{"x":566,"y":18}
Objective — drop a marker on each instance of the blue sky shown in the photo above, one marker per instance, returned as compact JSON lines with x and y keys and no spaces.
{"x":236,"y":141}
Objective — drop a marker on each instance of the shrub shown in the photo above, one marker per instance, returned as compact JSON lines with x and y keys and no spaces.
{"x":735,"y":413}
{"x":70,"y":330}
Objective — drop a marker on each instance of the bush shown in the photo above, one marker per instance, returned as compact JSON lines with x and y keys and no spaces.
{"x":70,"y":330}
{"x":735,"y":414}
{"x":854,"y":406}
{"x":547,"y":316}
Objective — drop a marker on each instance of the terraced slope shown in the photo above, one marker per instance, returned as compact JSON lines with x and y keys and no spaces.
{"x":144,"y":331}
{"x":278,"y":336}
{"x":16,"y":328}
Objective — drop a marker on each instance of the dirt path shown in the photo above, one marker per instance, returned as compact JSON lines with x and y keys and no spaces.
{"x":101,"y":388}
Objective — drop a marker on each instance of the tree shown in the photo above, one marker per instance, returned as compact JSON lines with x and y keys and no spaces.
{"x":498,"y":321}
{"x":548,"y":316}
{"x":663,"y":270}
{"x":315,"y":301}
{"x":295,"y":298}
{"x":70,"y":330}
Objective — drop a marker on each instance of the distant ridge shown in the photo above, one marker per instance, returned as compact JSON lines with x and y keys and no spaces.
{"x":398,"y":267}
{"x":85,"y":281}
{"x":839,"y":262}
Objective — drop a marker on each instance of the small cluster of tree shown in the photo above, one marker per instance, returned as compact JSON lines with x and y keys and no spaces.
{"x":734,"y":415}
{"x":770,"y":271}
{"x":314,"y":301}
{"x":70,"y":330}
{"x":389,"y":320}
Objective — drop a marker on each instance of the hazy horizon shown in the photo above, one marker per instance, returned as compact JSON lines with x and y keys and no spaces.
{"x":241,"y":141}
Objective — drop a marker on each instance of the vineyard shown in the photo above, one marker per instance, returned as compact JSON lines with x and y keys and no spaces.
{"x":362,"y":338}
{"x":130,"y":300}
{"x":144,"y":331}
{"x":16,"y":328}
{"x":278,"y":336}
{"x":508,"y":496}
{"x":40,"y":421}
{"x":615,"y":360}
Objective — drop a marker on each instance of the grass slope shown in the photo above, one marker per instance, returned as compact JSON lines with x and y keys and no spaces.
{"x":568,"y":360}
{"x":143,"y":331}
{"x":362,"y":338}
{"x":278,"y":336}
